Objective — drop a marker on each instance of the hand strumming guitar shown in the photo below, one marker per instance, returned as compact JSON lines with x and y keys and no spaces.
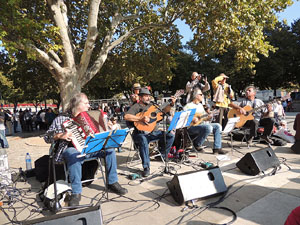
{"x":144,"y":119}
{"x":242,"y":111}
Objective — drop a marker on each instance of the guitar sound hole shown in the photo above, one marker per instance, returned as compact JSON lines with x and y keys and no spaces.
{"x":153,"y":114}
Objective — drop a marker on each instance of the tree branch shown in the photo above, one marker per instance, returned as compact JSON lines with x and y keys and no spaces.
{"x":107,"y":46}
{"x":135,"y":31}
{"x":91,"y":38}
{"x":55,"y":56}
{"x":59,"y":14}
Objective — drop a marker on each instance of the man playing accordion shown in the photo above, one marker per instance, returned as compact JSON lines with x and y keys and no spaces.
{"x":78,"y":104}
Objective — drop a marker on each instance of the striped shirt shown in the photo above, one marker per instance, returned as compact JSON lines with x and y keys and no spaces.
{"x":56,"y":128}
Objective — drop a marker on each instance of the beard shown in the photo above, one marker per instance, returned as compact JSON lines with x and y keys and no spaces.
{"x":146,"y":102}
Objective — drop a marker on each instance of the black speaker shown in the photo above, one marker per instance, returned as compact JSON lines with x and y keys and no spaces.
{"x":197,"y":184}
{"x":255,"y":162}
{"x":90,"y":216}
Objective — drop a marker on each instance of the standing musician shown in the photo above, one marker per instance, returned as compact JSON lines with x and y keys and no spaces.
{"x":222,"y":96}
{"x":204,"y":129}
{"x":134,"y":97}
{"x":195,"y":83}
{"x":262,"y":117}
{"x":80,"y":103}
{"x":143,"y":138}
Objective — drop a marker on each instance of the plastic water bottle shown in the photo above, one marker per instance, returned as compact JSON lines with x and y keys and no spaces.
{"x":28,"y":161}
{"x":5,"y":175}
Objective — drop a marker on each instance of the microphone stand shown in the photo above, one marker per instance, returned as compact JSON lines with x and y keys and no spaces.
{"x":166,"y":169}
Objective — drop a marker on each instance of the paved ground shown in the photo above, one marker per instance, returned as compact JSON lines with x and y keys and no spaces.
{"x":258,"y":199}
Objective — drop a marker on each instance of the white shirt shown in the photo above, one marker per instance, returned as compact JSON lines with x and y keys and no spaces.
{"x":191,"y":105}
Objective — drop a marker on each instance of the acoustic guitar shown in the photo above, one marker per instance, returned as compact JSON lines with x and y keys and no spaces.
{"x":155,"y":115}
{"x":249,"y":111}
{"x":201,"y":117}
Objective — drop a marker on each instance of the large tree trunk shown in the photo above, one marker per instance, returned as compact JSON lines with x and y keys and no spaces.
{"x":68,"y":87}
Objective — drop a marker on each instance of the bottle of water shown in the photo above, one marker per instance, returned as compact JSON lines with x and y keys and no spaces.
{"x":5,"y":175}
{"x":28,"y":161}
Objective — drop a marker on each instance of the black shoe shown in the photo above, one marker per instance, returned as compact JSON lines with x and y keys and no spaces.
{"x":117,"y":189}
{"x":146,"y":172}
{"x":74,"y":200}
{"x":219,"y":151}
{"x":250,"y":140}
{"x":267,"y":139}
{"x":200,"y":148}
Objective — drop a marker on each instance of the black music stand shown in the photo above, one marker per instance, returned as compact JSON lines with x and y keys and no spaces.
{"x":103,"y":141}
{"x":180,"y":120}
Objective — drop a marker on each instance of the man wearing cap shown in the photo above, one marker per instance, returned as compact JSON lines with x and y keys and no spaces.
{"x":135,"y":96}
{"x":195,"y":83}
{"x":222,"y":96}
{"x":143,"y":138}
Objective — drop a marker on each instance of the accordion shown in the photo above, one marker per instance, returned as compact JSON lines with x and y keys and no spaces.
{"x":84,"y":125}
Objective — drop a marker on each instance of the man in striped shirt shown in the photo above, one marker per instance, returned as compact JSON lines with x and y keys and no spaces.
{"x":80,"y":103}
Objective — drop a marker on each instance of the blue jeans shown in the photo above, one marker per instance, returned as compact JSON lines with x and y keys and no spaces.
{"x":143,"y":140}
{"x":74,"y":165}
{"x":3,"y":141}
{"x":203,"y":130}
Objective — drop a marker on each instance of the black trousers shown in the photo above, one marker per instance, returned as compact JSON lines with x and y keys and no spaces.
{"x":266,"y":123}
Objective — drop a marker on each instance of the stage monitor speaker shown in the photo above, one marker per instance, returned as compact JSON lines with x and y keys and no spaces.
{"x":197,"y":184}
{"x":91,"y":216}
{"x":255,"y":162}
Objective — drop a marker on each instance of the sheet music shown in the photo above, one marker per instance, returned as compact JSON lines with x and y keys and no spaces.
{"x":230,"y":124}
{"x":182,"y":120}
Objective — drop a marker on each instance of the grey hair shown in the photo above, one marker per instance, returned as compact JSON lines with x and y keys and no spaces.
{"x":250,"y":86}
{"x":196,"y":92}
{"x":75,"y":101}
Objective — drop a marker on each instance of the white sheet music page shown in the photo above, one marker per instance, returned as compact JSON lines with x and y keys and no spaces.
{"x":230,"y":124}
{"x":183,"y":118}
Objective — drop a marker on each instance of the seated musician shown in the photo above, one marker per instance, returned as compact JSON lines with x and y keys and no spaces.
{"x":263,"y":117}
{"x":80,"y":103}
{"x":202,"y":130}
{"x":142,"y":138}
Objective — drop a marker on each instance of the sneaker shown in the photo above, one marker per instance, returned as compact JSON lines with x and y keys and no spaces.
{"x":250,"y":140}
{"x":117,"y":189}
{"x":267,"y":139}
{"x":219,"y":151}
{"x":74,"y":200}
{"x":146,"y":172}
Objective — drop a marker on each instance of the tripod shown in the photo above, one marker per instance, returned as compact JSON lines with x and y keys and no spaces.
{"x":166,"y":168}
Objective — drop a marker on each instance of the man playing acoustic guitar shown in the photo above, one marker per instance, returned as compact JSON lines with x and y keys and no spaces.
{"x":202,"y":130}
{"x":262,"y":115}
{"x":138,"y":114}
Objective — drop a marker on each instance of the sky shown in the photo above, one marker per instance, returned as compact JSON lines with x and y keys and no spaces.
{"x":291,"y":14}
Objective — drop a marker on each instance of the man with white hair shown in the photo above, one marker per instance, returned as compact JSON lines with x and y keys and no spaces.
{"x":202,"y":129}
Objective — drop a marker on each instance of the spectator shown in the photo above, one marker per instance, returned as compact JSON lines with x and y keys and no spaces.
{"x":49,"y":117}
{"x":3,"y":141}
